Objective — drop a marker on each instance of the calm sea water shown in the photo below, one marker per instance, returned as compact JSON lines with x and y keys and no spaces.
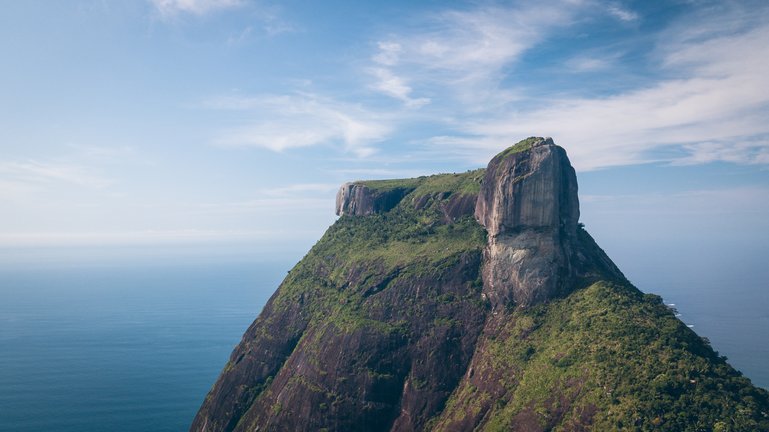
{"x":120,"y":348}
{"x":135,"y":347}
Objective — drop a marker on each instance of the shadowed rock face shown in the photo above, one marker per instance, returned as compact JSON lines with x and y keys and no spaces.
{"x":529,"y":206}
{"x":355,"y":199}
{"x":471,"y":301}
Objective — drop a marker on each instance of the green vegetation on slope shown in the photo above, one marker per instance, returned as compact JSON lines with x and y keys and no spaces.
{"x":397,"y":285}
{"x":518,"y":147}
{"x":467,"y":183}
{"x":357,"y":254}
{"x":609,"y":358}
{"x":404,"y":242}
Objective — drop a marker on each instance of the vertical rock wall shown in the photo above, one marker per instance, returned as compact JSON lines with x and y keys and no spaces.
{"x":529,"y":206}
{"x":356,"y":199}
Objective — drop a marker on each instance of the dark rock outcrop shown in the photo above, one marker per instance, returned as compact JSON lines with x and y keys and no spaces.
{"x":356,"y":199}
{"x":453,"y":206}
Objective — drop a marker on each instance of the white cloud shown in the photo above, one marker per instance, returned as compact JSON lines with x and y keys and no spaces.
{"x":169,"y":8}
{"x":714,"y":109}
{"x":392,"y":85}
{"x":462,"y":56}
{"x":388,"y":54}
{"x":387,"y":81}
{"x":709,"y":102}
{"x":303,"y":120}
{"x":621,"y":13}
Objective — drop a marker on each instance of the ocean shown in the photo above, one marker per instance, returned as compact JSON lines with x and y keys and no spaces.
{"x":135,"y":346}
{"x":121,"y":347}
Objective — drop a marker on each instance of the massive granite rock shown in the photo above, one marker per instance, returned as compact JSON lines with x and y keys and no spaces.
{"x":529,"y":186}
{"x":528,"y":204}
{"x":468,"y":302}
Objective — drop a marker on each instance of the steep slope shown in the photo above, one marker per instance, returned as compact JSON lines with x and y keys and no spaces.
{"x":410,"y":315}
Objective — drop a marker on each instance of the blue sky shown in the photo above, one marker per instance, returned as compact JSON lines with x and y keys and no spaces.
{"x":176,"y":122}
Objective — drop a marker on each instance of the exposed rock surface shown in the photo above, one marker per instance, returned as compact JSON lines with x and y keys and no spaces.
{"x":356,"y":199}
{"x":529,"y":187}
{"x":409,"y":315}
{"x":528,"y":204}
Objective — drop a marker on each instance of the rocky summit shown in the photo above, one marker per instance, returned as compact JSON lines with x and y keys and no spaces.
{"x":472,"y":302}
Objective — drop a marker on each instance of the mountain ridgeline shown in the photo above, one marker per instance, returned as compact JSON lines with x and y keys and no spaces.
{"x":474,"y":301}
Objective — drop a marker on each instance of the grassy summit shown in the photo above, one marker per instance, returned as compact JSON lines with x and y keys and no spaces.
{"x":464,"y":183}
{"x":520,"y":146}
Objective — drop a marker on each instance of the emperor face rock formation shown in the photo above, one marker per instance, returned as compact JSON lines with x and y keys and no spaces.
{"x":529,"y":186}
{"x":470,"y":302}
{"x":528,"y":204}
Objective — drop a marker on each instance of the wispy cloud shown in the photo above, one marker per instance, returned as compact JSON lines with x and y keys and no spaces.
{"x":717,"y":110}
{"x":267,"y":206}
{"x":103,"y":152}
{"x":621,"y":13}
{"x":710,"y":102}
{"x":303,"y":120}
{"x":33,"y":173}
{"x":589,"y":63}
{"x":170,"y":8}
{"x":371,"y":173}
{"x":395,"y":86}
{"x":463,"y":53}
{"x":302,"y":189}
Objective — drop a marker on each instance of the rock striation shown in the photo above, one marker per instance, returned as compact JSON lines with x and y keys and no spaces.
{"x":528,"y":204}
{"x":529,"y":186}
{"x":472,"y":301}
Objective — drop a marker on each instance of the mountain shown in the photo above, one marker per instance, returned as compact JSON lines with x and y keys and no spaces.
{"x":472,"y":301}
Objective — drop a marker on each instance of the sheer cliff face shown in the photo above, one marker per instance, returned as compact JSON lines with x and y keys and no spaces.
{"x":359,"y":200}
{"x":471,"y":301}
{"x":528,"y":204}
{"x":531,"y":187}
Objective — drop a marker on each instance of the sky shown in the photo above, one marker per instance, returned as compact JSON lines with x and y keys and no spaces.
{"x":166,"y":123}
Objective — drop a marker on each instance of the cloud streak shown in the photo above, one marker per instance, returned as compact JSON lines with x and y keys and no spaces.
{"x":31,"y":173}
{"x":303,"y":120}
{"x":462,"y":54}
{"x":621,"y":13}
{"x":170,"y":8}
{"x":707,"y":99}
{"x":716,"y":111}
